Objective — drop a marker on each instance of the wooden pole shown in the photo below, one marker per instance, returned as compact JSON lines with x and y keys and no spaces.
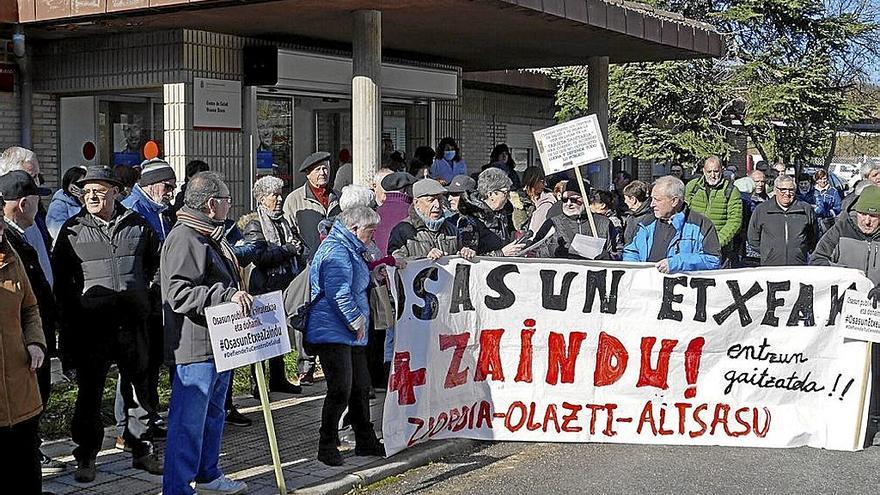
{"x":580,"y":179}
{"x":270,"y":428}
{"x":866,"y":384}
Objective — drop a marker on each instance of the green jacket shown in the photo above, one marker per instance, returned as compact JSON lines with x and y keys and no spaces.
{"x":721,"y":203}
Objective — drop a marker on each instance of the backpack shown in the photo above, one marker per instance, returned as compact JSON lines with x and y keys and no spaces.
{"x":298,"y":300}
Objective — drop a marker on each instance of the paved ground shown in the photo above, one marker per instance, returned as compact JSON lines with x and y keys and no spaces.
{"x":521,"y":468}
{"x":245,"y":453}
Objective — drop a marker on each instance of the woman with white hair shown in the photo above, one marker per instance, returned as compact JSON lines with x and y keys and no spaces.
{"x":337,"y":330}
{"x":281,"y":258}
{"x":485,"y":219}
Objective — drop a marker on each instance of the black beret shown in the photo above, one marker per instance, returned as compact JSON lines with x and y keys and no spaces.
{"x":314,"y":159}
{"x":397,"y":181}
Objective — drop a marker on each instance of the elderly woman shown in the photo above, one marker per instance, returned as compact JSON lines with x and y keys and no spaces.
{"x":488,"y":215}
{"x":337,"y":330}
{"x":278,"y":262}
{"x":23,"y":347}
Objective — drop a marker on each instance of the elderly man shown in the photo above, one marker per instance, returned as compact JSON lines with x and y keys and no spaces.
{"x":574,"y":221}
{"x":675,"y":238}
{"x":23,"y":351}
{"x":718,"y":199}
{"x":426,"y":233}
{"x":199,"y":270}
{"x":152,"y":196}
{"x":314,"y":201}
{"x":22,"y":202}
{"x":105,"y":258}
{"x":852,"y":243}
{"x":783,"y":230}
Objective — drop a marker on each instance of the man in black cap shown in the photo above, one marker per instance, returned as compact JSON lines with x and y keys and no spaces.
{"x":314,"y":201}
{"x":21,"y":201}
{"x":106,"y":257}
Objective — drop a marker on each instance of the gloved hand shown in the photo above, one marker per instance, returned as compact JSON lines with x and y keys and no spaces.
{"x":874,"y":296}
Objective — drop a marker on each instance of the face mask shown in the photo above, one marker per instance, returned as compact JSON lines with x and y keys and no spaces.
{"x":449,"y":155}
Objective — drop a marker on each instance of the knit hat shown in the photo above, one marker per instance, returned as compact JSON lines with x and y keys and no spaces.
{"x":869,"y":200}
{"x":155,"y":171}
{"x":572,"y":186}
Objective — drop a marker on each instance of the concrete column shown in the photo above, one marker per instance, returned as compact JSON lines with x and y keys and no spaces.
{"x":366,"y":98}
{"x":597,"y":102}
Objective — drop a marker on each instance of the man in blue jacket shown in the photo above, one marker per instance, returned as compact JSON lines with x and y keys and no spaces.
{"x":152,"y":195}
{"x":674,"y":238}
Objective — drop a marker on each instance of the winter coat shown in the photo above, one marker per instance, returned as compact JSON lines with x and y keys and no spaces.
{"x":632,"y":219}
{"x":19,"y":394}
{"x":564,"y":228}
{"x":411,"y":238}
{"x":340,"y":281}
{"x":62,"y":207}
{"x":721,"y":203}
{"x":195,"y":276}
{"x":523,"y":209}
{"x":492,"y":229}
{"x":846,"y":246}
{"x":542,"y":207}
{"x":828,"y":202}
{"x":694,"y":246}
{"x":42,"y":290}
{"x":304,"y":212}
{"x":108,"y":268}
{"x":446,"y":171}
{"x":394,"y":210}
{"x":783,"y":237}
{"x":276,"y":265}
{"x":154,"y":213}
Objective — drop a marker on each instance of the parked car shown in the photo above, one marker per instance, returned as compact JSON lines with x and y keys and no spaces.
{"x":848,"y":172}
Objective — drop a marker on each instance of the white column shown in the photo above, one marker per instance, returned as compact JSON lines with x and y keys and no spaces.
{"x":366,"y":98}
{"x":597,"y":102}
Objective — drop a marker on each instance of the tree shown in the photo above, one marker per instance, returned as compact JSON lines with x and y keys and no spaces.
{"x":787,"y":80}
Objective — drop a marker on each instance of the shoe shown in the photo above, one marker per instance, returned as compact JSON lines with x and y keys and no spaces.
{"x":85,"y":471}
{"x":236,"y":418}
{"x":51,"y":466}
{"x":330,"y":457}
{"x":307,"y":378}
{"x":285,"y":387}
{"x":221,"y":486}
{"x":149,"y":463}
{"x":373,"y":448}
{"x":255,"y":392}
{"x":156,"y":432}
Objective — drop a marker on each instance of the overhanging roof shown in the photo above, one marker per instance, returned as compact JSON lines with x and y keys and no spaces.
{"x":474,"y":34}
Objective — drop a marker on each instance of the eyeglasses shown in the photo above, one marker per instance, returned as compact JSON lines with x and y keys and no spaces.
{"x":223,"y":199}
{"x":101,"y":193}
{"x":573,"y":199}
{"x":785,"y":190}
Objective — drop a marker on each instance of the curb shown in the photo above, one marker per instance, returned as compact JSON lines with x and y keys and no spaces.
{"x":412,"y":458}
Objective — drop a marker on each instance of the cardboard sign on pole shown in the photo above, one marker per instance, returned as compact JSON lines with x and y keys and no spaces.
{"x":239,"y":339}
{"x":861,"y":320}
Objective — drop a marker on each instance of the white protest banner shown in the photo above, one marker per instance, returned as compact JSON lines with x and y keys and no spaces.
{"x":585,"y":351}
{"x":571,"y":144}
{"x":216,"y":104}
{"x":861,"y":320}
{"x":239,"y":340}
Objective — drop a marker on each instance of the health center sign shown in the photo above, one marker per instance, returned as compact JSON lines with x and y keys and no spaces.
{"x":542,"y":350}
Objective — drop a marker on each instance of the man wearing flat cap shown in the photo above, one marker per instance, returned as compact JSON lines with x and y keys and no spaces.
{"x":105,"y":259}
{"x":314,"y":201}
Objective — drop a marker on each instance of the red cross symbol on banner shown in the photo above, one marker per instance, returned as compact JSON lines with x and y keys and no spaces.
{"x":404,"y":381}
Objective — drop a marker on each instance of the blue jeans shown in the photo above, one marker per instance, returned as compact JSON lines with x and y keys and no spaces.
{"x":195,"y":427}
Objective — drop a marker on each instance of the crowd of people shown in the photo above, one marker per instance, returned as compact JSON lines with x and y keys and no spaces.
{"x":121,"y":269}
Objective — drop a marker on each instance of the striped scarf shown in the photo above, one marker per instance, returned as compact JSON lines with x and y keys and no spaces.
{"x":200,"y":222}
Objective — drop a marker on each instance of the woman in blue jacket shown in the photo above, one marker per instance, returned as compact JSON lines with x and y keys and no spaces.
{"x":337,"y":330}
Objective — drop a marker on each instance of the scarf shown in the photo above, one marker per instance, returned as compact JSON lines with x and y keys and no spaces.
{"x":200,"y":222}
{"x":322,"y":194}
{"x":271,"y":223}
{"x":433,"y":225}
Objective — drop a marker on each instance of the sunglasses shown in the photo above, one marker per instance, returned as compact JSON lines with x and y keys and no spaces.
{"x":573,"y":199}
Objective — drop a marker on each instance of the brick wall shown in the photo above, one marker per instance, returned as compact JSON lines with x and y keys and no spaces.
{"x":44,"y":131}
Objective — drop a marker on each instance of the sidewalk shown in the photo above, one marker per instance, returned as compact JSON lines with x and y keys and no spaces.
{"x":245,"y":454}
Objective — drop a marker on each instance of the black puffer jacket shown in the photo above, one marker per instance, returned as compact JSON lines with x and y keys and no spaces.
{"x":493,"y":229}
{"x":846,"y":246}
{"x":783,"y":237}
{"x":276,"y":265}
{"x":105,"y":268}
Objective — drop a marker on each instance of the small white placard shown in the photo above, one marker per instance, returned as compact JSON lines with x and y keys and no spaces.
{"x":860,"y":320}
{"x":571,"y":144}
{"x":587,"y":246}
{"x":216,"y":103}
{"x":238,"y":340}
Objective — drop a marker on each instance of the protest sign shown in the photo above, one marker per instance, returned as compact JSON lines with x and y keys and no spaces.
{"x":861,"y":319}
{"x":585,"y":351}
{"x":571,"y":144}
{"x":239,"y":340}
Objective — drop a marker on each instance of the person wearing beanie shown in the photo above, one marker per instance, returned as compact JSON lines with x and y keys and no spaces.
{"x":854,"y":242}
{"x":153,"y":194}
